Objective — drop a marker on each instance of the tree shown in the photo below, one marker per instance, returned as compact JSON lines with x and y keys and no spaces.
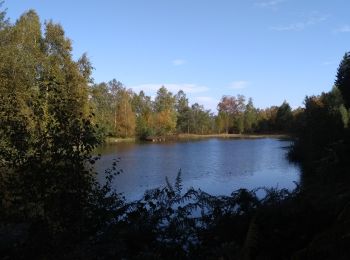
{"x":183,"y":112}
{"x":114,"y":87}
{"x":165,"y":122}
{"x":164,"y":107}
{"x":220,"y":122}
{"x":125,"y":116}
{"x":21,"y":65}
{"x":250,"y":116}
{"x":321,"y":125}
{"x":46,"y":138}
{"x":284,"y":117}
{"x":142,"y":106}
{"x":164,"y":100}
{"x":40,"y":84}
{"x":85,"y":68}
{"x":63,"y":75}
{"x":201,"y":120}
{"x":103,"y":107}
{"x":267,"y":119}
{"x":231,"y":112}
{"x":343,"y":79}
{"x":225,"y":109}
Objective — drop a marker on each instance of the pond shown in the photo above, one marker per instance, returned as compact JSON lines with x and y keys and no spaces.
{"x":216,"y":166}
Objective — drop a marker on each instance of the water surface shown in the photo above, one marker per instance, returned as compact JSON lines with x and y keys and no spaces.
{"x":217,"y":166}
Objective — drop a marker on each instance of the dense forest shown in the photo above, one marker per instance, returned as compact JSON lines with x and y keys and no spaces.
{"x":122,"y":113}
{"x":52,"y":116}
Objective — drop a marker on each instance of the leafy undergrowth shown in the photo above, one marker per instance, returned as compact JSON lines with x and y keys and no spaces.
{"x":169,"y":223}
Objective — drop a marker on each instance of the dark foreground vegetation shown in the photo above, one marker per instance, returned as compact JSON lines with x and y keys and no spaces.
{"x":52,"y":207}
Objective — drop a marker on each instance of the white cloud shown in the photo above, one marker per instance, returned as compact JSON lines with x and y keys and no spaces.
{"x":186,"y":87}
{"x":343,"y":29}
{"x":271,"y":3}
{"x":240,"y":84}
{"x":313,"y":19}
{"x":208,"y":102}
{"x":178,"y":62}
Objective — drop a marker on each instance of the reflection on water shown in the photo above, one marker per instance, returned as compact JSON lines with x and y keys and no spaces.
{"x":217,"y":166}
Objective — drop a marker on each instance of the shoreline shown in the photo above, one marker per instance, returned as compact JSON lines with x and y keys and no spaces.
{"x":112,"y":140}
{"x":180,"y":137}
{"x":231,"y":136}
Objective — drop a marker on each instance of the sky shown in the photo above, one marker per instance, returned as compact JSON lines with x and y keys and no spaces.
{"x":270,"y":50}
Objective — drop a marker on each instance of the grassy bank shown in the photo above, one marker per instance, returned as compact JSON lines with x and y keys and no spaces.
{"x":234,"y":136}
{"x":111,"y":140}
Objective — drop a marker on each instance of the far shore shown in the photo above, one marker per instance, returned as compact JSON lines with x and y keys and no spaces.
{"x":110,"y":140}
{"x":234,"y":136}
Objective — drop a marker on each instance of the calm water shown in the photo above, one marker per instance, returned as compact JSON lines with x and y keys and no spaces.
{"x":217,"y":166}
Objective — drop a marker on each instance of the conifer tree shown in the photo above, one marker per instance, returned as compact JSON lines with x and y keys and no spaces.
{"x":343,"y":79}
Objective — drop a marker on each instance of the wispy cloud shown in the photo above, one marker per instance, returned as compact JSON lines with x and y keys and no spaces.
{"x":269,"y":4}
{"x":240,"y":84}
{"x":291,"y":27}
{"x":203,"y":99}
{"x":173,"y":87}
{"x":327,"y":63}
{"x":313,"y":19}
{"x":343,"y":29}
{"x":178,"y":62}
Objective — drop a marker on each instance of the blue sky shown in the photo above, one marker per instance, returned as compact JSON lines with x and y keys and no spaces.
{"x":270,"y":50}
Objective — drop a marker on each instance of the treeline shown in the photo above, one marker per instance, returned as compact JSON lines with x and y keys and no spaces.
{"x":122,"y":113}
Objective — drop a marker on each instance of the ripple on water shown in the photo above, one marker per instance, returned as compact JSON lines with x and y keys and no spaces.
{"x":217,"y":166}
